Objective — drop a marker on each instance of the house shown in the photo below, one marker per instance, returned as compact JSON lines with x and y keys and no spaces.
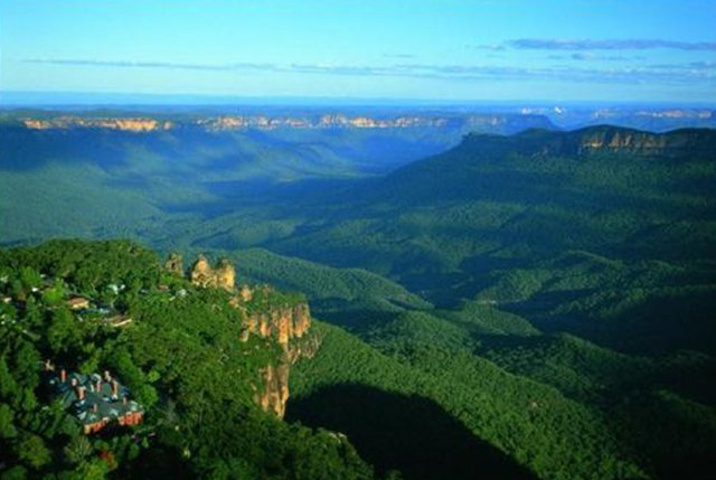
{"x":118,"y":321}
{"x":96,"y":401}
{"x":77,"y":303}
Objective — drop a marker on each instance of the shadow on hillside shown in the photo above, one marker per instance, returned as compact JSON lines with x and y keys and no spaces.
{"x":656,"y":325}
{"x":24,"y":150}
{"x":345,"y":314}
{"x":408,"y":433}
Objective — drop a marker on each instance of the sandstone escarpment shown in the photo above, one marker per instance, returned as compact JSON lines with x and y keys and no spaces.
{"x":264,"y":313}
{"x":282,"y":323}
{"x":637,"y":143}
{"x":594,"y":141}
{"x":326,"y":121}
{"x":122,"y":124}
{"x":621,"y":140}
{"x":285,"y":321}
{"x":273,"y":396}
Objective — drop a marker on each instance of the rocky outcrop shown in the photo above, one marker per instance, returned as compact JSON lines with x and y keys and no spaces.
{"x":274,"y":393}
{"x":246,"y":293}
{"x":309,"y":121}
{"x":594,"y":141}
{"x":225,"y":275}
{"x":266,"y":315}
{"x":284,"y":324}
{"x":174,"y":264}
{"x":638,"y":143}
{"x":37,"y":124}
{"x":620,"y":140}
{"x":123,"y":124}
{"x":273,"y":396}
{"x":203,"y":275}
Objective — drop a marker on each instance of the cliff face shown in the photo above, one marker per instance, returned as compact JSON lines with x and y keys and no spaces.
{"x":264,"y":122}
{"x":288,"y":325}
{"x":639,"y":143}
{"x":615,"y":140}
{"x":265,"y":313}
{"x":596,"y":140}
{"x":284,"y":324}
{"x":124,"y":124}
{"x":274,"y":395}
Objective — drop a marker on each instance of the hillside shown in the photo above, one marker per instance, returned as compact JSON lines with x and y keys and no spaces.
{"x":120,"y":173}
{"x":520,"y":305}
{"x":498,"y":218}
{"x":178,"y":350}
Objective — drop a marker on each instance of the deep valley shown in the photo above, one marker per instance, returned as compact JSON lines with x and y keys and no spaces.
{"x":489,"y":293}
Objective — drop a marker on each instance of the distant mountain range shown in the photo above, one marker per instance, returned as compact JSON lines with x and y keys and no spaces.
{"x":503,"y":118}
{"x":503,"y":123}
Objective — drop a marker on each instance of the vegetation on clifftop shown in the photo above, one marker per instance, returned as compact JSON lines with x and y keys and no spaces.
{"x":180,"y":357}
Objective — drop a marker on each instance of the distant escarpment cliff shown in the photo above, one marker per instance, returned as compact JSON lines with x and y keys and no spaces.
{"x":125,"y":124}
{"x":142,"y":124}
{"x":598,"y":140}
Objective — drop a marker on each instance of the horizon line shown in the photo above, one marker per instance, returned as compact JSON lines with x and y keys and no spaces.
{"x":32,"y":98}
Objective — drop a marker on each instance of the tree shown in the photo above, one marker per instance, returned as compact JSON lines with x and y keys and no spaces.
{"x":8,"y":386}
{"x":30,"y":278}
{"x":32,"y":450}
{"x":54,"y":296}
{"x":7,"y":429}
{"x":63,"y":333}
{"x":78,"y":449}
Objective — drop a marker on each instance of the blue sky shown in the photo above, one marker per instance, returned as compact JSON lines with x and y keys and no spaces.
{"x":447,"y":50}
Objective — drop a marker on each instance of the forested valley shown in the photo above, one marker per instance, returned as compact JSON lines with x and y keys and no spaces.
{"x":533,"y":305}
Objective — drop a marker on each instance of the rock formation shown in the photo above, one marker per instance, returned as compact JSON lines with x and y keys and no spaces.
{"x":203,"y":275}
{"x":123,"y":124}
{"x":288,"y":325}
{"x":282,"y":323}
{"x":225,"y":275}
{"x":267,"y":314}
{"x":616,"y":140}
{"x":273,"y":397}
{"x":174,"y":264}
{"x":599,"y":140}
{"x":285,"y":121}
{"x":678,"y":143}
{"x":246,"y":293}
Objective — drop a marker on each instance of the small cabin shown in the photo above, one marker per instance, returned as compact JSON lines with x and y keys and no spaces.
{"x":78,"y":303}
{"x":117,"y":321}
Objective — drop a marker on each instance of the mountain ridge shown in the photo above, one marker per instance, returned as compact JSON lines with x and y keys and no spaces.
{"x":143,"y":122}
{"x":604,"y":138}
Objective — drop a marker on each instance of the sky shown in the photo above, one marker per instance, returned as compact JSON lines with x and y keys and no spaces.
{"x":442,"y":50}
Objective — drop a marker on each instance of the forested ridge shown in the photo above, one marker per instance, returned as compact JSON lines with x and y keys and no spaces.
{"x":538,"y":305}
{"x":180,"y":357}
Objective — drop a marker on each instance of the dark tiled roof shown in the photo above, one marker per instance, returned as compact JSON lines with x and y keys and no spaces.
{"x":106,"y":404}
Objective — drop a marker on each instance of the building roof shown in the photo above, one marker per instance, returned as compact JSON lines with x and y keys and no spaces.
{"x":93,"y":398}
{"x":76,"y":303}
